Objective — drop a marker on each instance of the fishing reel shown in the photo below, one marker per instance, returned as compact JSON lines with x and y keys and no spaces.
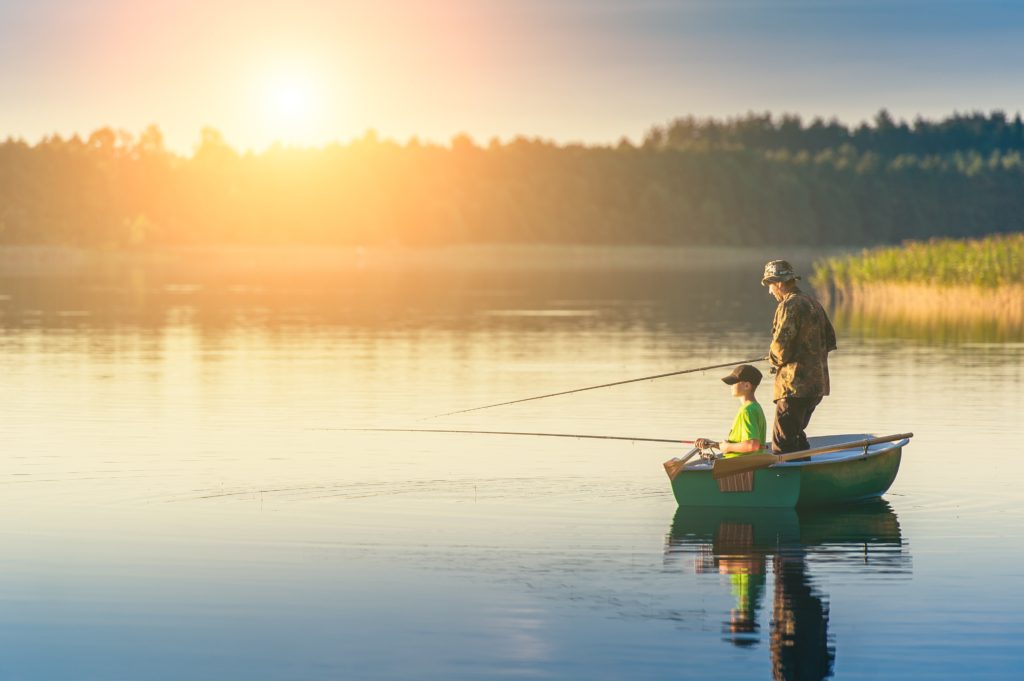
{"x":708,"y":450}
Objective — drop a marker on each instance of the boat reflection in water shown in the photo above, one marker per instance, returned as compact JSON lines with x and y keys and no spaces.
{"x":746,"y":544}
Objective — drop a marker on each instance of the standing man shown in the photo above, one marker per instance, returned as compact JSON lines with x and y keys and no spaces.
{"x":802,"y":337}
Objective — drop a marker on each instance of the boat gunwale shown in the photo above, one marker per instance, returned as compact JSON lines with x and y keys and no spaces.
{"x":841,"y":456}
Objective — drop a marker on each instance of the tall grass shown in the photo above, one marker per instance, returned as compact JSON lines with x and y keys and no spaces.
{"x":989,"y":262}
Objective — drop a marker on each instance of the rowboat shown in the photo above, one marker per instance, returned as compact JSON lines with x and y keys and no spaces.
{"x":858,"y":472}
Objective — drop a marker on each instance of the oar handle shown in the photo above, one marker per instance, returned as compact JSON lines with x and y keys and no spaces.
{"x":692,"y":453}
{"x":723,"y":468}
{"x":840,"y":447}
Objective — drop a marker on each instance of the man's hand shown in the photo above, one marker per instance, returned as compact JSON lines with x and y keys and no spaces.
{"x":704,"y":443}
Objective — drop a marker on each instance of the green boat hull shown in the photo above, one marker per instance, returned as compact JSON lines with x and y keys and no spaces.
{"x":866,"y":535}
{"x":872,"y":522}
{"x":840,"y":478}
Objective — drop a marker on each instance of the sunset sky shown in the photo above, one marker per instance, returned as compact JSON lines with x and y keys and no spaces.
{"x":313,"y":71}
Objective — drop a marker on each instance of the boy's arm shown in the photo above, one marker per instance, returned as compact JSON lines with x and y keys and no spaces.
{"x":739,"y":447}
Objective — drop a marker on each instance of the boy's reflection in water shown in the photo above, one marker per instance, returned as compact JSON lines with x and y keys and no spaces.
{"x":734,"y":556}
{"x":747,"y":587}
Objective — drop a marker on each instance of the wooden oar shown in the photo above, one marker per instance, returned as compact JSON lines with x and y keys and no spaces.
{"x":506,"y":432}
{"x":673,"y":466}
{"x":723,"y":468}
{"x":603,"y":385}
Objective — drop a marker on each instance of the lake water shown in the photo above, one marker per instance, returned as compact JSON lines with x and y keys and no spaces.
{"x":176,"y":503}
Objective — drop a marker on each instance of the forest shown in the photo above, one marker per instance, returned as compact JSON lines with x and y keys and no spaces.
{"x":751,"y":180}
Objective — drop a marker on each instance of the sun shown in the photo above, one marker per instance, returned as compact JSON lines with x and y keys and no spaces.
{"x":292,"y":104}
{"x":290,"y":100}
{"x":294,"y":99}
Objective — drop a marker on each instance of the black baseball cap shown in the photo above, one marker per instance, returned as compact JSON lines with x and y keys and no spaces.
{"x":743,"y":372}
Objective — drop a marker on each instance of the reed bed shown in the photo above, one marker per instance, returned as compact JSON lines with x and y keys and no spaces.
{"x":990,"y":262}
{"x":958,"y":281}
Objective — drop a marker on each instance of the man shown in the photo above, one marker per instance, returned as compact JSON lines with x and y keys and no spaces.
{"x":802,"y":337}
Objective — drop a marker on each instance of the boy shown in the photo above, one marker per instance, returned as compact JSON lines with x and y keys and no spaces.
{"x":748,"y":428}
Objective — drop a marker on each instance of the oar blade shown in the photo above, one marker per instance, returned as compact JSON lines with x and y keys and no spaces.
{"x":675,"y":466}
{"x":723,"y":468}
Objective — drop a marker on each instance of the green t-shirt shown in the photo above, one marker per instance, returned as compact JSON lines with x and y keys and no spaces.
{"x":749,"y":424}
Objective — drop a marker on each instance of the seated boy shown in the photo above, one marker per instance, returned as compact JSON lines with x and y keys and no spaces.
{"x":748,"y":428}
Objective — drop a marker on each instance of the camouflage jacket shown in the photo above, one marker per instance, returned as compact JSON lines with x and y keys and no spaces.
{"x":802,"y":337}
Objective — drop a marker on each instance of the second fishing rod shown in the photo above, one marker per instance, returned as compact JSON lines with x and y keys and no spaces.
{"x":602,"y":385}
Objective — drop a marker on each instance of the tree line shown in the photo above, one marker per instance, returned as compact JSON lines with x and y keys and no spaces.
{"x":747,"y":181}
{"x":977,"y":132}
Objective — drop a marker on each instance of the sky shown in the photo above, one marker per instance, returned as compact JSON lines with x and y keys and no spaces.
{"x":310,"y":72}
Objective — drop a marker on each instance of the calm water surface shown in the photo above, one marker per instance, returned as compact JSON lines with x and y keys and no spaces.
{"x":175,"y":503}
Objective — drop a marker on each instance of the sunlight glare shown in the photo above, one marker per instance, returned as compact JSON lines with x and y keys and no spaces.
{"x":292,"y":100}
{"x":293,"y":105}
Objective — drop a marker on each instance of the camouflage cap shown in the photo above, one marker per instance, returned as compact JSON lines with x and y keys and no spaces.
{"x":778,"y":270}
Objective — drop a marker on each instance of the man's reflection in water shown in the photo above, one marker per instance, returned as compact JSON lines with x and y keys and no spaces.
{"x":799,"y":631}
{"x":742,"y":543}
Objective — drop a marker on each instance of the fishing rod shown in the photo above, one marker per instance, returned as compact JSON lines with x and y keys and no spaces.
{"x":603,"y":385}
{"x":505,"y":432}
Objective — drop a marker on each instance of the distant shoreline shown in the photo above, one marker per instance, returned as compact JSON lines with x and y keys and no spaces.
{"x":62,"y":261}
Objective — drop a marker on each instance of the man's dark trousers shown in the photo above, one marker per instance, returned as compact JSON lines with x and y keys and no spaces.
{"x":792,"y":414}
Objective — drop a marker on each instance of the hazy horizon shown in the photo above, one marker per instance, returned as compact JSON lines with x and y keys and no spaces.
{"x":315,"y":72}
{"x":135,"y":135}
